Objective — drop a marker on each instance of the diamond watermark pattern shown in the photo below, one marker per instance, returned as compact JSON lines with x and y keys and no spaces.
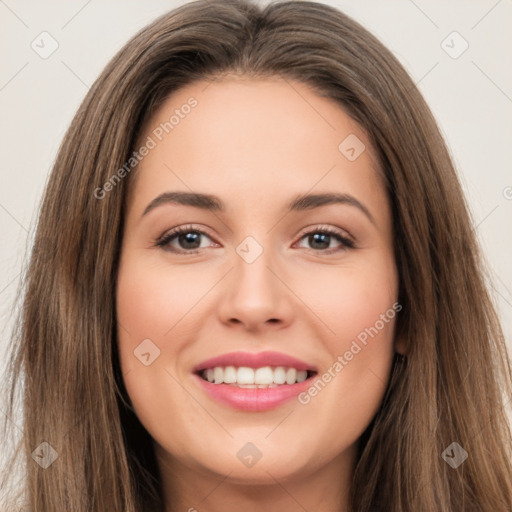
{"x":249,"y":454}
{"x":455,"y":455}
{"x":45,"y":455}
{"x":351,"y":147}
{"x":249,"y":249}
{"x":454,"y":45}
{"x":44,"y":45}
{"x":146,"y":352}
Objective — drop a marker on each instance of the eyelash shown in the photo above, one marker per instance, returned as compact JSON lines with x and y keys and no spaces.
{"x":165,"y":240}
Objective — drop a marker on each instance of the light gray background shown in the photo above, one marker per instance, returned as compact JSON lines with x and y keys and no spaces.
{"x":471,"y":97}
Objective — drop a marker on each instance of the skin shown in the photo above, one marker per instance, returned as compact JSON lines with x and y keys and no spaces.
{"x":256,"y":144}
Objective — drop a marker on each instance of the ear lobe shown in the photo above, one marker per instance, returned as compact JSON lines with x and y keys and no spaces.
{"x":401,"y":346}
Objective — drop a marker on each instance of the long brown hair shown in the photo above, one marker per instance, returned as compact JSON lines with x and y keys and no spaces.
{"x":447,"y":389}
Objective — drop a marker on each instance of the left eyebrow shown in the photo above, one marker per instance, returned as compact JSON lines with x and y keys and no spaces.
{"x":310,"y":201}
{"x":213,"y":203}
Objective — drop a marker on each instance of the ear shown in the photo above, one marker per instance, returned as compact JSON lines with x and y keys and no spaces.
{"x":401,"y":346}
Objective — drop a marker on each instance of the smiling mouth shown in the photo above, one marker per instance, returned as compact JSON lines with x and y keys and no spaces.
{"x":255,"y":378}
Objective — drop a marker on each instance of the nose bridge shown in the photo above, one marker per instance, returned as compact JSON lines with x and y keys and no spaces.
{"x":255,"y":294}
{"x":252,"y":262}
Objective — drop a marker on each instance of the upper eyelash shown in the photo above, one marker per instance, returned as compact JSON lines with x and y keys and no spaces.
{"x":166,"y":238}
{"x":348,"y":243}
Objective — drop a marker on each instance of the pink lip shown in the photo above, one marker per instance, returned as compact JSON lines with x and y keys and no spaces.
{"x":253,"y":399}
{"x":254,"y":360}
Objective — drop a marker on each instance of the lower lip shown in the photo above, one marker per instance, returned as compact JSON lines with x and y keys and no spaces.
{"x":253,"y":399}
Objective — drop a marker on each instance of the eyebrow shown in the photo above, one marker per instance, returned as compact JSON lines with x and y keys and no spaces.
{"x":214,"y":204}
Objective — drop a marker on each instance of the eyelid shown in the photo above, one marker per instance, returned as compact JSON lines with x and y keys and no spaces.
{"x":347,"y":241}
{"x":171,"y":233}
{"x":343,"y":233}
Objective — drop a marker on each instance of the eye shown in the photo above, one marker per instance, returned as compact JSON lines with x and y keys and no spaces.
{"x":188,"y":239}
{"x":321,"y":237}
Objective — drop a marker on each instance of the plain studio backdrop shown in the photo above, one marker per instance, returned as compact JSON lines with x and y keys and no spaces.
{"x":458,"y":53}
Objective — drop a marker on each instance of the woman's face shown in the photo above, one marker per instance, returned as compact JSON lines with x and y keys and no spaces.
{"x":261,"y":279}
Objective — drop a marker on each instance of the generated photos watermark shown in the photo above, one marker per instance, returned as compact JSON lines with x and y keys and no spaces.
{"x":151,"y":142}
{"x":343,"y":360}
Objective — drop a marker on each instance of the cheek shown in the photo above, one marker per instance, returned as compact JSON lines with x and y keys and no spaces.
{"x":153,"y":302}
{"x":358,"y":308}
{"x":352,"y":299}
{"x":152,"y":305}
{"x":348,"y":391}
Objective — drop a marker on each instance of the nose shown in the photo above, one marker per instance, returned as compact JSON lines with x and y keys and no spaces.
{"x":257,"y":297}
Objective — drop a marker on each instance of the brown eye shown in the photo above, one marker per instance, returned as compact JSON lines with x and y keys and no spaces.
{"x":187,"y":238}
{"x":321,"y":238}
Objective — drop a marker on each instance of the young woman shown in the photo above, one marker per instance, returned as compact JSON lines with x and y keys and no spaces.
{"x":255,"y":285}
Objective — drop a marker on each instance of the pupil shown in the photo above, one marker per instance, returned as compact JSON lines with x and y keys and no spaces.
{"x":315,"y":238}
{"x":191,"y":237}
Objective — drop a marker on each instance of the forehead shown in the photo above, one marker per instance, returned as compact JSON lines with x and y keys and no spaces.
{"x":252,"y":140}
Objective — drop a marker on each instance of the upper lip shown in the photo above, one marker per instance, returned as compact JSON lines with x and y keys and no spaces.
{"x":254,"y":360}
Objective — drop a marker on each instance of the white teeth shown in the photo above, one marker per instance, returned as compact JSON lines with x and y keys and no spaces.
{"x":302,"y":375}
{"x":246,"y":377}
{"x":218,"y":375}
{"x":229,"y":375}
{"x":291,"y":376}
{"x":264,"y":375}
{"x":280,"y":375}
